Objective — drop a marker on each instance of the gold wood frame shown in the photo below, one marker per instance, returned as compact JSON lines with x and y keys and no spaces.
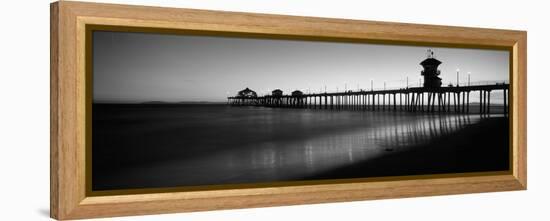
{"x":70,"y":99}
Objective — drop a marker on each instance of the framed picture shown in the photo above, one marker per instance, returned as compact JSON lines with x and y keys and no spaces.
{"x":160,"y":110}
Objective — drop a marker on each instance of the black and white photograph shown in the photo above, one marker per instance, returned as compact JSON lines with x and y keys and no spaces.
{"x":177,"y":110}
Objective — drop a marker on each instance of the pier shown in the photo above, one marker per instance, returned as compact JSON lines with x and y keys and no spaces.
{"x":431,"y":97}
{"x":415,"y":99}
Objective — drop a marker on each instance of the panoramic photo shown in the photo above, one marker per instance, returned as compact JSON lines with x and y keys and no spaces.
{"x":189,"y":110}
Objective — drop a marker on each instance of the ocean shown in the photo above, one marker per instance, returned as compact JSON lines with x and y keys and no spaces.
{"x":175,"y":145}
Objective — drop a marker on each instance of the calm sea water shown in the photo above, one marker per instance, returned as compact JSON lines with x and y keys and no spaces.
{"x":140,"y":146}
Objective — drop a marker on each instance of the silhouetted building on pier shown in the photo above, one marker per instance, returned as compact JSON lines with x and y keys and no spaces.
{"x":247,"y":93}
{"x":430,"y":72}
{"x":297,"y":93}
{"x":277,"y":93}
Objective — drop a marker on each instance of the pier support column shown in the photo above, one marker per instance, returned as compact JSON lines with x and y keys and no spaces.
{"x":383,"y":102}
{"x":400,"y":101}
{"x":411,"y":102}
{"x":455,"y":101}
{"x":443,"y":101}
{"x":353,"y":101}
{"x":428,"y":104}
{"x":468,"y":102}
{"x":406,"y":97}
{"x":448,"y":101}
{"x":364,"y":101}
{"x":320,"y":102}
{"x":459,"y":102}
{"x":483,"y":101}
{"x":418,"y":100}
{"x":438,"y":102}
{"x":394,"y":103}
{"x":346,"y":102}
{"x":485,"y":96}
{"x":356,"y":97}
{"x":464,"y":102}
{"x":359,"y":102}
{"x":354,"y":104}
{"x":367,"y":102}
{"x":480,"y":101}
{"x":414,"y":101}
{"x":488,"y":102}
{"x":434,"y":99}
{"x":374,"y":102}
{"x":378,"y":102}
{"x":349,"y":100}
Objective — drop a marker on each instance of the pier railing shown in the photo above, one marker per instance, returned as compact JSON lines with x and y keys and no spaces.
{"x":443,"y":99}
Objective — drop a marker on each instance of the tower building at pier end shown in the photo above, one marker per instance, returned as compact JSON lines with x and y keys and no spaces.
{"x":430,"y":72}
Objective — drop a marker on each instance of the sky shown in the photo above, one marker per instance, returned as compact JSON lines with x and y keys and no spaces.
{"x":141,"y":67}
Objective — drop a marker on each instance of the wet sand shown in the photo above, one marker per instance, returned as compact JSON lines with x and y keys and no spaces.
{"x":475,"y":148}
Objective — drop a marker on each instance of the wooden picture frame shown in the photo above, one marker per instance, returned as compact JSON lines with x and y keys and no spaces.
{"x":70,"y":99}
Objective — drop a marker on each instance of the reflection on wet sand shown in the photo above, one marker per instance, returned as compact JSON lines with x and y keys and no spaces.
{"x":326,"y":147}
{"x":397,"y":133}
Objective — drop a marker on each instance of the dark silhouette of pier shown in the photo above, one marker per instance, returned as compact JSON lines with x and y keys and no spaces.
{"x":431,"y":97}
{"x":443,"y":99}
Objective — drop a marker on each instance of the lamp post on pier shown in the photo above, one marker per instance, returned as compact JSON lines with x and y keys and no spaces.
{"x":457,"y":73}
{"x":371,"y":85}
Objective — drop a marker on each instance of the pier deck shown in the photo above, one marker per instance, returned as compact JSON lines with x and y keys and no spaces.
{"x":441,"y":99}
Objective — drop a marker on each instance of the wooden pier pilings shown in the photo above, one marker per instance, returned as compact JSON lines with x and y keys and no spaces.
{"x":417,"y":99}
